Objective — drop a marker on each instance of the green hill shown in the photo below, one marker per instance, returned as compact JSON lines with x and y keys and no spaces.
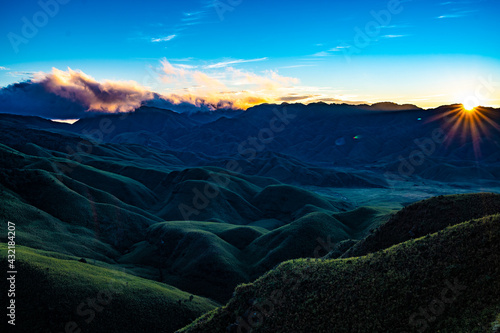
{"x":55,"y":290}
{"x":427,"y":216}
{"x":109,"y":205}
{"x":445,"y":282}
{"x":298,"y":239}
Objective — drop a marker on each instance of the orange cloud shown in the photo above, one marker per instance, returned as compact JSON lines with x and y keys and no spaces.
{"x":220,"y":85}
{"x":108,"y":96}
{"x":212,"y":88}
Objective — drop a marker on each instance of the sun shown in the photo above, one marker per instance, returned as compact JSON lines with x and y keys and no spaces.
{"x":470,"y":105}
{"x":468,"y":122}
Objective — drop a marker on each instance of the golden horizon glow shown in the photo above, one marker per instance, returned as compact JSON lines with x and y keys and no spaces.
{"x":470,"y":105}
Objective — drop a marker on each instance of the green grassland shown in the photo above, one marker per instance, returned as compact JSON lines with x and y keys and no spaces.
{"x":427,"y":216}
{"x":53,"y":290}
{"x":121,"y":204}
{"x":452,"y":275}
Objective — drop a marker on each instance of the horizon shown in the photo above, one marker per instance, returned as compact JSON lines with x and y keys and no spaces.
{"x":426,"y":54}
{"x":91,"y":114}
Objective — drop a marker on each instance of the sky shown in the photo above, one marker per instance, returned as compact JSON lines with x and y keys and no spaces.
{"x":423,"y":52}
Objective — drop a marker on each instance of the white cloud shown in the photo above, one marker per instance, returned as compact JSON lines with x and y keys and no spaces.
{"x":393,"y":36}
{"x":321,"y":54}
{"x":186,"y":66}
{"x":457,"y":14}
{"x":163,"y":39}
{"x":297,"y":66}
{"x":339,"y":48}
{"x":233,"y":62}
{"x":2,"y":68}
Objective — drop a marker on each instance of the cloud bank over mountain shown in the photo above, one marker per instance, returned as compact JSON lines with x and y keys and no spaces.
{"x":73,"y":94}
{"x":108,"y":96}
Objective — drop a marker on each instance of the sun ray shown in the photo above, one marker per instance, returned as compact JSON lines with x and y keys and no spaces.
{"x":468,"y":123}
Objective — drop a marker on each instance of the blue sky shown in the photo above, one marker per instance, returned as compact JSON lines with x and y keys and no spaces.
{"x":420,"y":51}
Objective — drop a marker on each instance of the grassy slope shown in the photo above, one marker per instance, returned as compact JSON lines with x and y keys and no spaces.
{"x":295,"y":240}
{"x":104,"y":215}
{"x":204,"y":258}
{"x":427,"y":216}
{"x":379,"y":292}
{"x":38,"y":229}
{"x":51,"y":286}
{"x":210,"y":259}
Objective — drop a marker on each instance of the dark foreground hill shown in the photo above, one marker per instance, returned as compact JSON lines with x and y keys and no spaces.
{"x":58,"y":293}
{"x":444,"y":282}
{"x":425,"y":217}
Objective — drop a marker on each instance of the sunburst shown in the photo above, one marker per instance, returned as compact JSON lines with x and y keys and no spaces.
{"x":470,"y":105}
{"x":468,"y":123}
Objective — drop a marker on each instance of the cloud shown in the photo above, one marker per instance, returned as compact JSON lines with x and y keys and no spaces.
{"x":336,"y":101}
{"x":28,"y":98}
{"x":194,"y":103}
{"x":192,"y":18}
{"x":215,"y":78}
{"x":25,"y":74}
{"x":295,"y":98}
{"x":163,"y":39}
{"x":339,"y":48}
{"x":298,"y":66}
{"x":461,"y":2}
{"x":186,"y":20}
{"x":203,"y":79}
{"x":71,"y":94}
{"x":449,"y":16}
{"x":108,"y":96}
{"x":321,"y":54}
{"x":457,"y":14}
{"x":172,"y":73}
{"x":186,"y":66}
{"x":270,"y":81}
{"x":2,"y":68}
{"x":332,"y":51}
{"x":237,"y":87}
{"x":233,"y":62}
{"x":393,"y":36}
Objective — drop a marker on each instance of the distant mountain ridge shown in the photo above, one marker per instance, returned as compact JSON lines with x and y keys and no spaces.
{"x":383,"y":137}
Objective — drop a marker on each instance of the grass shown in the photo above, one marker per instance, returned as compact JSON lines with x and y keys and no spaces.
{"x":104,"y":206}
{"x":204,"y":258}
{"x":427,"y":216}
{"x":381,"y":292}
{"x":51,"y":288}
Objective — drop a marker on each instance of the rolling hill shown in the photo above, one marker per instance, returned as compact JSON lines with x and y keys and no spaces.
{"x":56,"y":292}
{"x":444,"y":282}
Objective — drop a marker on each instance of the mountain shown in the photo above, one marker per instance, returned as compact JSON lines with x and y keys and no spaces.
{"x":372,"y":144}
